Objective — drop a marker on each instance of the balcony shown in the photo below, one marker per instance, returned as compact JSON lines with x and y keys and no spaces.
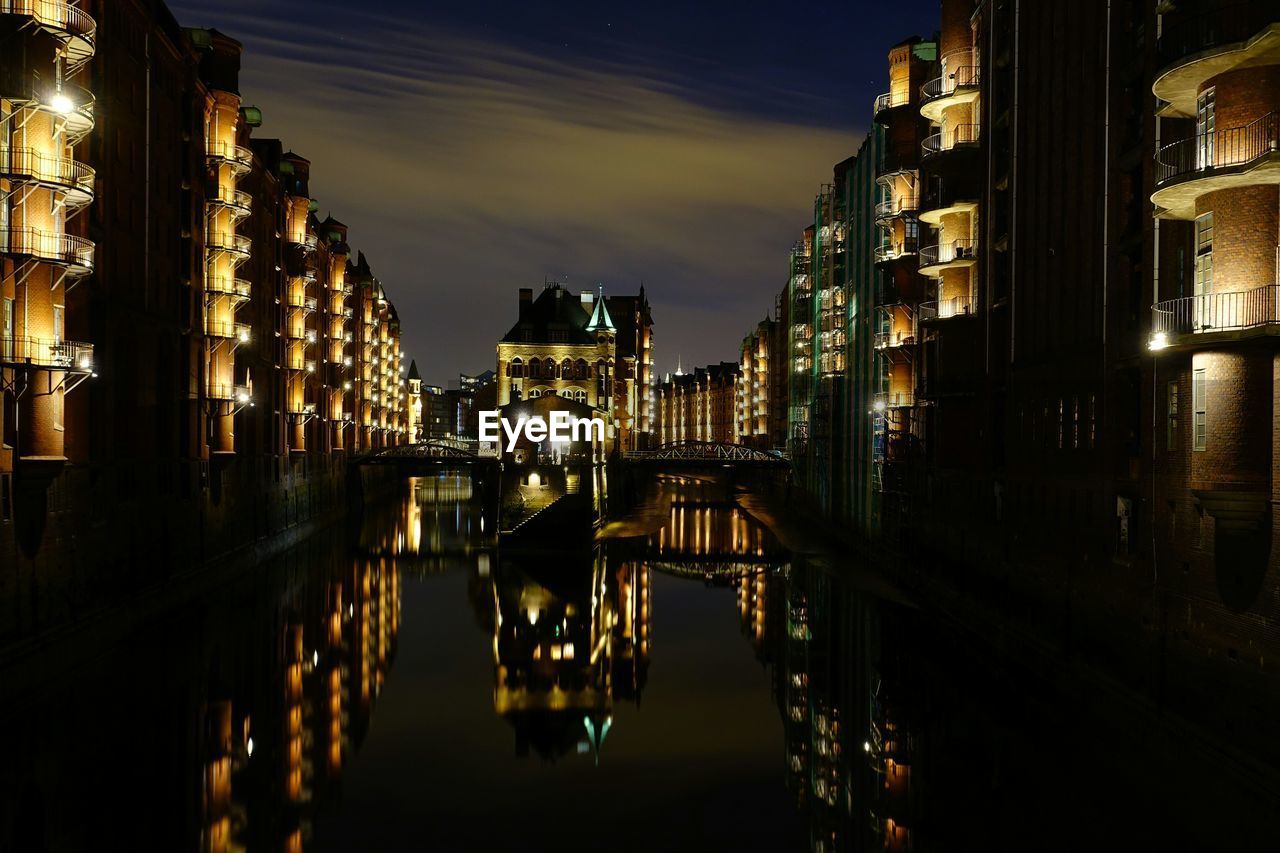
{"x":238,"y":202}
{"x":228,"y":392}
{"x":306,"y":304}
{"x":74,"y":28}
{"x":889,"y":254}
{"x":49,"y":353}
{"x":228,"y":330}
{"x":230,"y":242}
{"x":75,"y":254}
{"x":935,"y":259}
{"x":1203,"y":163}
{"x":70,"y":177}
{"x":239,"y":158}
{"x":894,"y":340}
{"x":236,"y":288}
{"x":889,"y":101}
{"x":945,"y":309}
{"x":307,"y":241}
{"x":942,"y":93}
{"x":1215,"y":317}
{"x":1193,"y":48}
{"x":893,"y":400}
{"x":960,"y":136}
{"x":893,"y":208}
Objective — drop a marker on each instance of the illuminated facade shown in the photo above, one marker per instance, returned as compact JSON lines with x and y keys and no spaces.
{"x":761,"y":389}
{"x":46,"y":115}
{"x":700,"y":406}
{"x":213,"y":304}
{"x":567,"y":345}
{"x":896,"y":411}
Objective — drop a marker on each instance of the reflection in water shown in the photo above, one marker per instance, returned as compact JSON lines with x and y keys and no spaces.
{"x":236,"y":720}
{"x":569,"y":635}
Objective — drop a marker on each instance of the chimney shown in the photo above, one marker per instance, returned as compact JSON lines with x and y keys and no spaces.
{"x":526,"y":299}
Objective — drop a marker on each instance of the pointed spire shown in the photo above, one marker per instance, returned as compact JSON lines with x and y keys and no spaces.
{"x":413,"y":370}
{"x":600,"y":319}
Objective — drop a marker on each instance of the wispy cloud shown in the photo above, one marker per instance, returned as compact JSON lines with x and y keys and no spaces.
{"x":466,"y":169}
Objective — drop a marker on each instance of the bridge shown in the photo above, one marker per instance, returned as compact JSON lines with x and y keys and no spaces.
{"x":438,"y":452}
{"x":702,"y":453}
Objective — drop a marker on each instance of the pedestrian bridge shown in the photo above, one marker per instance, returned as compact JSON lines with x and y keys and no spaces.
{"x":440,"y":451}
{"x":702,"y":453}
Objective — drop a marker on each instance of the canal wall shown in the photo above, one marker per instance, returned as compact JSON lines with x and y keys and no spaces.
{"x":98,"y":536}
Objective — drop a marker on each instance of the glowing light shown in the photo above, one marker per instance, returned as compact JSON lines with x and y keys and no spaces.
{"x":1158,"y":342}
{"x":61,"y":104}
{"x":879,"y":405}
{"x":249,"y":746}
{"x":866,"y":746}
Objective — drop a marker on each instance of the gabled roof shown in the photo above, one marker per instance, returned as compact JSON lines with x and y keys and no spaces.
{"x":555,"y":310}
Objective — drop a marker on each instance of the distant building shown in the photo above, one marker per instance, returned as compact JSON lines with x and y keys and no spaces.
{"x":568,"y":346}
{"x":699,"y":406}
{"x":761,"y":390}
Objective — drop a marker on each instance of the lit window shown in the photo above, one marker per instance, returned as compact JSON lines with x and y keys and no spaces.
{"x":1171,"y":416}
{"x":1199,"y":403}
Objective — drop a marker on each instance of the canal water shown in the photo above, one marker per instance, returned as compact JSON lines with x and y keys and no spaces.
{"x":686,"y":685}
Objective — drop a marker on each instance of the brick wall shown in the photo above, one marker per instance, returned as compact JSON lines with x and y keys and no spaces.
{"x":1244,"y":236}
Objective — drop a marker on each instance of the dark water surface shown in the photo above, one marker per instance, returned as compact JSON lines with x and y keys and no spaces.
{"x":398,"y":687}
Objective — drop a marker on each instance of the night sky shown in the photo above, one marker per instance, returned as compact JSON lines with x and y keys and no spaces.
{"x":478,"y":147}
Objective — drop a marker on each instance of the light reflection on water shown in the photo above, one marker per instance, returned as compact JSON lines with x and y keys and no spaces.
{"x":696,"y":685}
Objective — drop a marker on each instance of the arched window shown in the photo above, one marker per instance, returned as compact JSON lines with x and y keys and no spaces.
{"x":515,"y":368}
{"x":535,"y":368}
{"x":549,"y":367}
{"x":534,"y":393}
{"x":566,"y":369}
{"x":581,"y":369}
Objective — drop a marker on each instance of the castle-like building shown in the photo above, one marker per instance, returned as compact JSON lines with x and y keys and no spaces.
{"x":570,"y":345}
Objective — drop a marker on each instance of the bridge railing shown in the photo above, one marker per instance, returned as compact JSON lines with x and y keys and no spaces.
{"x":708,"y":451}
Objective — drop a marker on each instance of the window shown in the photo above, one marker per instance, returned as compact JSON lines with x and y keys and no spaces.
{"x":57,"y":324}
{"x":1093,"y":420}
{"x":1075,"y":423}
{"x":1199,"y":423}
{"x":1203,"y":315}
{"x":6,"y":331}
{"x":1205,"y":125}
{"x":1171,"y":416}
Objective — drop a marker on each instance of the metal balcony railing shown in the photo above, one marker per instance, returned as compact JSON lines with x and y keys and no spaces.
{"x":889,"y":100}
{"x":224,"y":241}
{"x":71,"y":356}
{"x":945,"y":253}
{"x":307,"y":241}
{"x":889,"y":340}
{"x":237,"y":200}
{"x":944,"y":309}
{"x":897,"y":206}
{"x":889,"y":253}
{"x":1182,"y":36}
{"x":1205,"y":154}
{"x":227,"y":329}
{"x":893,"y":400}
{"x":237,"y":156}
{"x":228,"y":391}
{"x":226,"y":286}
{"x":960,"y":134}
{"x":74,"y":253}
{"x":60,"y":17}
{"x":964,"y":77}
{"x":28,"y":164}
{"x":1217,"y":312}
